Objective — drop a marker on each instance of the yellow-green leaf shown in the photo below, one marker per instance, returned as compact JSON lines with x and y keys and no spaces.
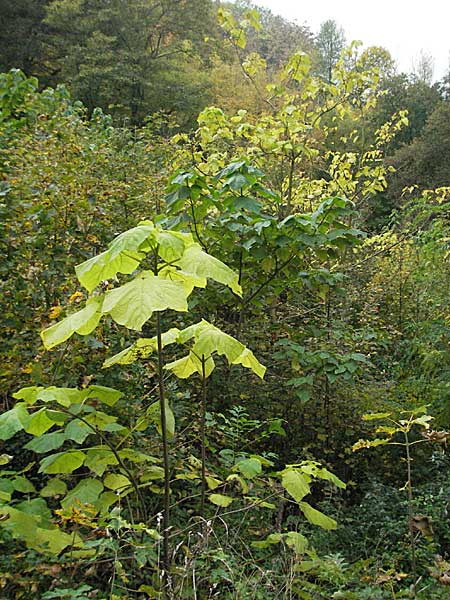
{"x":315,"y":517}
{"x":249,"y":467}
{"x":55,"y":487}
{"x":87,"y":491}
{"x":39,"y":423}
{"x":62,"y":462}
{"x":220,"y":500}
{"x":133,"y":304}
{"x":83,"y":322}
{"x":115,"y":481}
{"x":107,"y":395}
{"x":186,"y":366}
{"x":374,"y":416}
{"x":295,"y":483}
{"x":212,"y":482}
{"x":13,"y":421}
{"x":296,"y":541}
{"x":103,"y":267}
{"x":201,"y":264}
{"x":247,"y":359}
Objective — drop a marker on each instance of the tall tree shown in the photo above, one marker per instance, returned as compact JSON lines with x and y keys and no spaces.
{"x":21,"y":30}
{"x":379,"y":58}
{"x":401,"y":92}
{"x":423,"y":68}
{"x":425,"y":162}
{"x":330,"y":43}
{"x":134,"y":57}
{"x":278,"y":38}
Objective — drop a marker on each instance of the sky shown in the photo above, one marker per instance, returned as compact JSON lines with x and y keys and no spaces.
{"x":405,"y":28}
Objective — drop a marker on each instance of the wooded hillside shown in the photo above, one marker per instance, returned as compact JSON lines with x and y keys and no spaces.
{"x":225,"y":308}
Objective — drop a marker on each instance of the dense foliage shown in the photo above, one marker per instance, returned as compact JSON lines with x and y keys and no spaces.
{"x":233,"y":239}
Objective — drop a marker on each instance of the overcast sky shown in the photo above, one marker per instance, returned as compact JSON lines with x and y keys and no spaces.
{"x":405,"y":28}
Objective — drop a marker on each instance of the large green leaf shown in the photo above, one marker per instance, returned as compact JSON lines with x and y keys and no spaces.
{"x":212,"y":340}
{"x":47,"y":442}
{"x":105,"y":501}
{"x":86,"y":491}
{"x":103,"y":267}
{"x":38,"y":508}
{"x":295,"y":483}
{"x":28,"y":394}
{"x":297,"y":541}
{"x":315,"y":517}
{"x":105,"y":394}
{"x":220,"y":500}
{"x":189,"y":280}
{"x":68,"y":396}
{"x":13,"y":421}
{"x":248,"y":359}
{"x":136,"y":456}
{"x":193,"y":331}
{"x":315,"y":470}
{"x":152,"y":473}
{"x":24,"y":526}
{"x":249,"y":467}
{"x":101,"y":420}
{"x":373,"y":416}
{"x":172,"y":244}
{"x":270,"y":540}
{"x":83,"y":322}
{"x":133,"y":304}
{"x":186,"y":366}
{"x":99,"y":459}
{"x":53,"y":541}
{"x":201,"y":264}
{"x":57,"y":416}
{"x":20,"y":523}
{"x":77,"y":431}
{"x":55,"y":487}
{"x":213,"y":482}
{"x":22,"y":484}
{"x":125,"y":253}
{"x":62,"y":462}
{"x":116,"y":481}
{"x":63,"y":396}
{"x":123,"y":256}
{"x":39,"y":423}
{"x":137,"y":238}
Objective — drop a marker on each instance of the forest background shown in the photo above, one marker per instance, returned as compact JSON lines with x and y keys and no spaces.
{"x":299,"y":449}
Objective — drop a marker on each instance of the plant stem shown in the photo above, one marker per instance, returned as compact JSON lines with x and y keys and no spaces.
{"x":203,"y":439}
{"x":290,"y":183}
{"x":410,"y":515}
{"x":162,"y":404}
